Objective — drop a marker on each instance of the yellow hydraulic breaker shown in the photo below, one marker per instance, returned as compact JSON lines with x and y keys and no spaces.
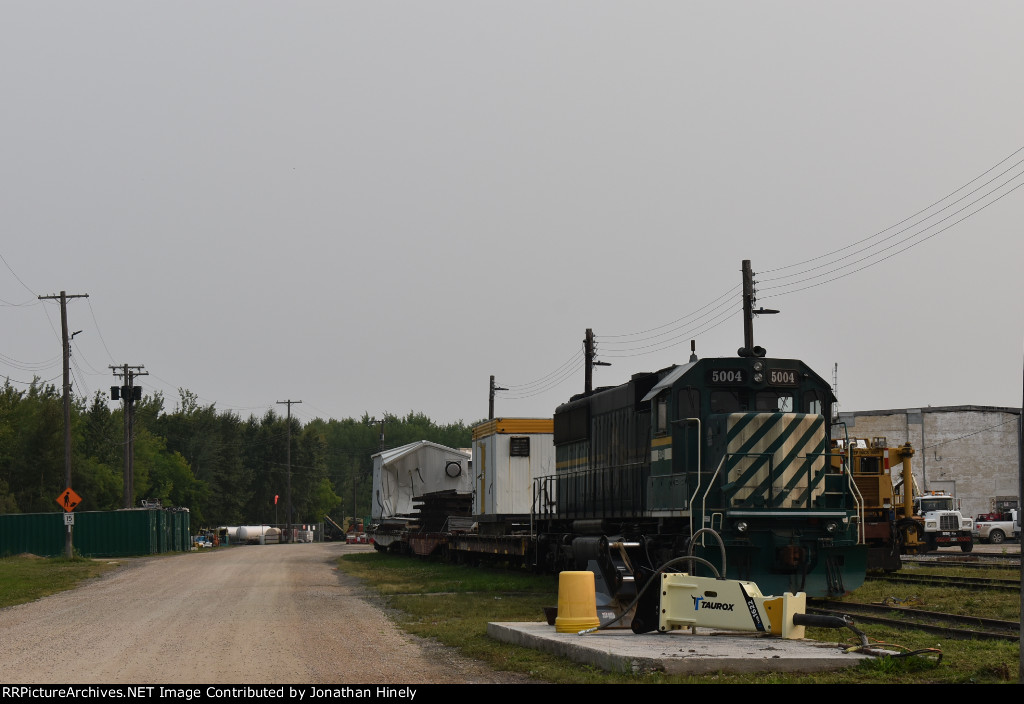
{"x":688,"y":601}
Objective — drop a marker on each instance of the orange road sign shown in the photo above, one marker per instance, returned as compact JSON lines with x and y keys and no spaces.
{"x":68,"y":499}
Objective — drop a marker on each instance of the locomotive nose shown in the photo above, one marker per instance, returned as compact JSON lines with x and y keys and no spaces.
{"x":791,"y":556}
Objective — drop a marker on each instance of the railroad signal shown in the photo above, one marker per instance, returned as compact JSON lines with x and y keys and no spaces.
{"x":68,"y":499}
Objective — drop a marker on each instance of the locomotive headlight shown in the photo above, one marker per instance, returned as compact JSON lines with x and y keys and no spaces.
{"x":741,"y":526}
{"x":831,"y":527}
{"x":758,"y":377}
{"x":758,"y":366}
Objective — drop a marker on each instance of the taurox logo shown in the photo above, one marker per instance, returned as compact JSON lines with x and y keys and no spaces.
{"x":700,"y":603}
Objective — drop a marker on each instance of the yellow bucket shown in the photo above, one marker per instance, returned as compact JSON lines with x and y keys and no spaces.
{"x":577,"y":602}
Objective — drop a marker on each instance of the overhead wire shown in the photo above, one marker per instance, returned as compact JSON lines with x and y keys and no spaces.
{"x":867,"y":256}
{"x":36,"y":380}
{"x":613,"y":338}
{"x":879,"y":256}
{"x":572,"y":362}
{"x":889,"y":256}
{"x":29,"y":366}
{"x":553,"y":383}
{"x":731,"y":307}
{"x":680,"y":329}
{"x":17,"y":278}
{"x":98,"y":332}
{"x":911,"y":217}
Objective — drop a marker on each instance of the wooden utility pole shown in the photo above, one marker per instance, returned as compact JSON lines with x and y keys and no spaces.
{"x":490,"y":405}
{"x":355,"y":470}
{"x":129,"y":395}
{"x":589,"y":361}
{"x":748,"y":308}
{"x":288,"y":488}
{"x":66,"y":347}
{"x":749,"y":297}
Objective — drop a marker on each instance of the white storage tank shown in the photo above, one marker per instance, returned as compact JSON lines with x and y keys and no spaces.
{"x":251,"y":535}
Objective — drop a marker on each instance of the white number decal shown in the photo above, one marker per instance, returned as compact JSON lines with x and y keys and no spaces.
{"x":721,"y":377}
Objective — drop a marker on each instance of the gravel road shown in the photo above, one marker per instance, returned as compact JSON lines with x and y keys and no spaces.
{"x":275,"y":614}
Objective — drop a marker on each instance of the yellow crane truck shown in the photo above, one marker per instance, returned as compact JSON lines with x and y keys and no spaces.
{"x":896,"y":519}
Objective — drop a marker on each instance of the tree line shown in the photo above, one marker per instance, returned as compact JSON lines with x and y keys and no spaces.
{"x":226,"y":470}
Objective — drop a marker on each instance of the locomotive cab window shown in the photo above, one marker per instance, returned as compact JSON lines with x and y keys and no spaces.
{"x":661,"y":414}
{"x":730,"y":400}
{"x":813,"y":402}
{"x":689,"y":403}
{"x":781,"y":401}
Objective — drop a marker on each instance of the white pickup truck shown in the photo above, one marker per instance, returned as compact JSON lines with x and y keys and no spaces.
{"x":997,"y":527}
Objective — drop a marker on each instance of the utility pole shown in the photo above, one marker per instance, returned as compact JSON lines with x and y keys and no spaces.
{"x":589,"y":357}
{"x":490,"y":405}
{"x":288,"y":489}
{"x":355,"y":470}
{"x":66,"y":347}
{"x":749,"y":297}
{"x":129,"y":393}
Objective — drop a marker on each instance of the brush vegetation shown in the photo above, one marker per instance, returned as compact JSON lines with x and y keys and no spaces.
{"x":453,"y":604}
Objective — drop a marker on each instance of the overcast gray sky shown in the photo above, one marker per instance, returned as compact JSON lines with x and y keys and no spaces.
{"x":373,"y":206}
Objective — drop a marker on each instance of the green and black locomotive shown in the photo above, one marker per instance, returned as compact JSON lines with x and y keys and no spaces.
{"x":738,"y":445}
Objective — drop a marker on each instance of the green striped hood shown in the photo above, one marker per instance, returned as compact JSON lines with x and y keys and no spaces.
{"x":774,"y":460}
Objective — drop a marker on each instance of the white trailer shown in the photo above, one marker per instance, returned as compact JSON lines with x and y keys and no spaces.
{"x":508,"y":454}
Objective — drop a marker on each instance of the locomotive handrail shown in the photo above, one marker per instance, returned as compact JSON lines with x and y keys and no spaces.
{"x":858,"y":500}
{"x":700,"y":464}
{"x":854,"y":490}
{"x":704,"y":499}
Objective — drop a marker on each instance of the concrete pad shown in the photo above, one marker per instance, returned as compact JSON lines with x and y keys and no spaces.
{"x":679,"y":652}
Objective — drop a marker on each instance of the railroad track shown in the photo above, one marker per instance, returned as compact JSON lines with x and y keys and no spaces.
{"x":978,"y":583}
{"x":947,"y":625}
{"x":972,"y":562}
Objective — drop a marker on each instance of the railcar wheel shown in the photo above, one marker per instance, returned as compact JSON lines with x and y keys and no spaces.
{"x":996,"y":536}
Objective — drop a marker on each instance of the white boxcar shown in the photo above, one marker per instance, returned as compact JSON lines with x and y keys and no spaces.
{"x":508,"y":454}
{"x":415,"y":469}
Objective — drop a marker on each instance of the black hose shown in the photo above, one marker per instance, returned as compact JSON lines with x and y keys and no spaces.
{"x":721,"y":546}
{"x":823,"y":621}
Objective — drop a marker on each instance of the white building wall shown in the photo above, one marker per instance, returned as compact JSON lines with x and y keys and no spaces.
{"x":969,"y":451}
{"x":503,"y":483}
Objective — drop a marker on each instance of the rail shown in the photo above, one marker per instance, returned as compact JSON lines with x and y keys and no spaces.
{"x":592,"y":493}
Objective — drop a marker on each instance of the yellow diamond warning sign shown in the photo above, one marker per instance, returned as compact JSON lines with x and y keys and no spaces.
{"x":68,"y":499}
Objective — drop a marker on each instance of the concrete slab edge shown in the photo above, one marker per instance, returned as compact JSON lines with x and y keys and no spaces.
{"x":629,"y":653}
